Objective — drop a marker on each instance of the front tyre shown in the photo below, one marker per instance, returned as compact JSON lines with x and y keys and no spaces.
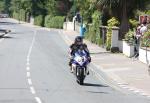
{"x":81,"y":76}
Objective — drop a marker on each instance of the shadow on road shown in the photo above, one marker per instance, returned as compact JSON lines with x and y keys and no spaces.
{"x":99,"y":53}
{"x":94,"y":85}
{"x":98,"y":92}
{"x":7,"y":23}
{"x":7,"y":37}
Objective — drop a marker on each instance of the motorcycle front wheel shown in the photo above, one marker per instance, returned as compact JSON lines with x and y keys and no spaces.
{"x":80,"y":76}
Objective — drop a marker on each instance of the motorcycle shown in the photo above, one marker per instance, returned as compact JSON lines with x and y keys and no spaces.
{"x":79,"y":66}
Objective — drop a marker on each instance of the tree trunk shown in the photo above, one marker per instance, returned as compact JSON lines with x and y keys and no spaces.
{"x":124,"y":27}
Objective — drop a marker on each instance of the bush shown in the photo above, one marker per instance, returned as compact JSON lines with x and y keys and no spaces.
{"x":19,"y":15}
{"x":113,"y":22}
{"x":47,"y":20}
{"x":93,"y":33}
{"x":39,"y":20}
{"x":54,"y":22}
{"x":146,"y":39}
{"x":22,"y":15}
{"x":16,"y":15}
{"x":129,"y":36}
{"x":133,"y":23}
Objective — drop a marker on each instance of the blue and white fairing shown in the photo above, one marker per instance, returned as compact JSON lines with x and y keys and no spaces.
{"x":80,"y":58}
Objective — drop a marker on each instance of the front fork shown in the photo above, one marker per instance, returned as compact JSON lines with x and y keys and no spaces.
{"x":74,"y":69}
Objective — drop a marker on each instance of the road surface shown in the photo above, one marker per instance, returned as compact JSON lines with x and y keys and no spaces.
{"x":34,"y":69}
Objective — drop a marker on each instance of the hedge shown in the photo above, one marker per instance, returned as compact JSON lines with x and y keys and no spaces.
{"x":20,"y":15}
{"x":47,"y":20}
{"x":54,"y":22}
{"x":39,"y":20}
{"x":16,"y":15}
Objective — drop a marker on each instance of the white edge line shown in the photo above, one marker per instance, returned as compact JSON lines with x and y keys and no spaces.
{"x":28,"y":74}
{"x":38,"y":100}
{"x":28,"y":60}
{"x":29,"y":81}
{"x":32,"y":90}
{"x":28,"y":68}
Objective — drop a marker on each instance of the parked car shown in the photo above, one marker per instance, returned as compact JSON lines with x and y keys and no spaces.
{"x":4,"y":16}
{"x":4,"y":31}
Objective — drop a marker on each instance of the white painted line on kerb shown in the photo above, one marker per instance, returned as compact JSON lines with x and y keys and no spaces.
{"x":144,"y":94}
{"x":38,"y":100}
{"x":32,"y":90}
{"x":137,"y":91}
{"x":28,"y":74}
{"x":29,"y":81}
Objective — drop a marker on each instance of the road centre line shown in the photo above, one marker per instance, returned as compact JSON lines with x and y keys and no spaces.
{"x":32,"y":89}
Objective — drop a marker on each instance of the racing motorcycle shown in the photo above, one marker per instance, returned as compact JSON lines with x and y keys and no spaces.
{"x":79,"y":66}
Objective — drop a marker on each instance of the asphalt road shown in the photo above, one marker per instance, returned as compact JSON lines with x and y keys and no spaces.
{"x":34,"y":69}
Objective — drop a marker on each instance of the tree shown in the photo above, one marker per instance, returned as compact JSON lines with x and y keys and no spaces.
{"x":122,"y":9}
{"x":1,"y":6}
{"x":7,"y":6}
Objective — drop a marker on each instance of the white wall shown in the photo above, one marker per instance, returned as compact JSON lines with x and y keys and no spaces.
{"x":142,"y":56}
{"x":77,"y":27}
{"x":68,"y":26}
{"x":31,"y":20}
{"x":128,"y":50}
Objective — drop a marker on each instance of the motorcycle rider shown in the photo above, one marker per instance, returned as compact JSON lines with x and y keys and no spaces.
{"x":78,"y":43}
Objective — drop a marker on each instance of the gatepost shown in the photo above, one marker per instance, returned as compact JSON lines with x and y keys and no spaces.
{"x":114,"y":40}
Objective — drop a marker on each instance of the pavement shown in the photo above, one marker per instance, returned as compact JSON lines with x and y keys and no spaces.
{"x":127,"y":73}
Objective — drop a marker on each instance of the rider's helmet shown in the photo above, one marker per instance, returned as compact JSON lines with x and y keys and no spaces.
{"x":78,"y":40}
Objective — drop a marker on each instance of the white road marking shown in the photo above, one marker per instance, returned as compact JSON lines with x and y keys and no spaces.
{"x":28,"y":68}
{"x":28,"y":64}
{"x":28,"y":74}
{"x":30,"y":49}
{"x":32,"y":90}
{"x":38,"y":100}
{"x":29,"y":81}
{"x":28,"y":60}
